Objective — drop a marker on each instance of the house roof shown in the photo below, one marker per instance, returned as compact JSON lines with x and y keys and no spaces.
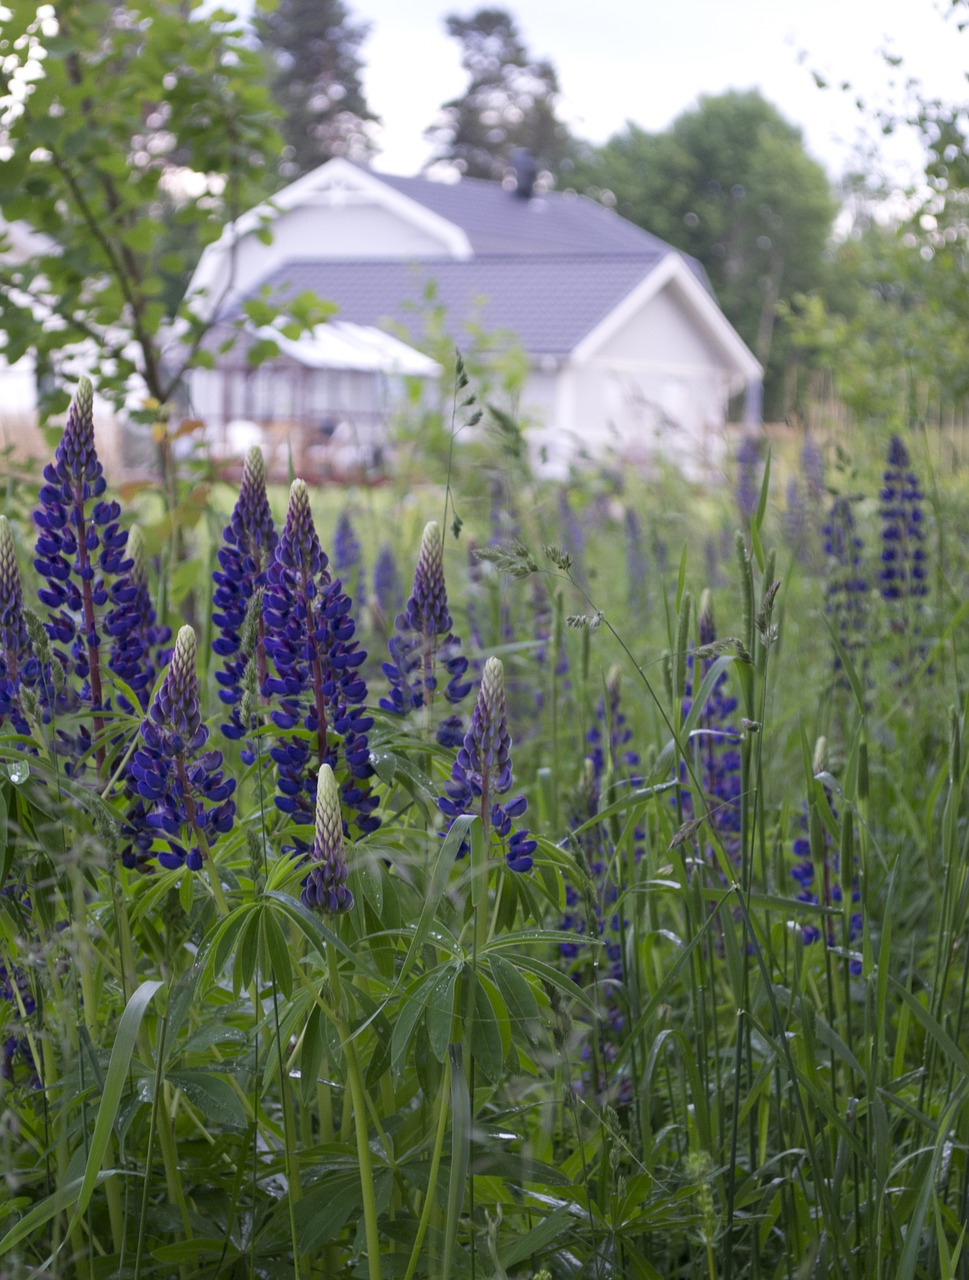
{"x":550,"y":302}
{"x":551,"y":269}
{"x":497,"y":221}
{"x":339,"y":344}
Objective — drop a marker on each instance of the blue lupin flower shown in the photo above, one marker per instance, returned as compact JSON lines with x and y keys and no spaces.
{"x":902,"y":575}
{"x":388,"y":591}
{"x":80,"y":544}
{"x":248,"y":543}
{"x":846,"y":590}
{"x":348,"y":556}
{"x":15,"y":992}
{"x":139,"y":643}
{"x":748,"y":479}
{"x":180,"y":794}
{"x":482,"y":772}
{"x":637,"y":564}
{"x":716,"y":741}
{"x":325,"y":886}
{"x":572,"y":534}
{"x":795,"y":516}
{"x":820,"y":876}
{"x":812,"y":469}
{"x":424,"y":642}
{"x":18,"y":665}
{"x":316,"y":684}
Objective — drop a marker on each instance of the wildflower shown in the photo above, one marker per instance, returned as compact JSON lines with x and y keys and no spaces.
{"x":748,"y":482}
{"x":846,"y":592}
{"x":716,"y":739}
{"x":181,"y":795}
{"x":423,"y":641}
{"x":347,"y":556}
{"x":482,"y":771}
{"x":139,"y":644}
{"x":316,"y":685}
{"x":820,"y":875}
{"x":248,"y":543}
{"x":812,"y":469}
{"x":15,"y":992}
{"x":325,"y":886}
{"x":637,"y":564}
{"x":18,"y":664}
{"x":387,"y":589}
{"x":903,"y":555}
{"x":573,"y":534}
{"x":79,"y":543}
{"x":795,"y":515}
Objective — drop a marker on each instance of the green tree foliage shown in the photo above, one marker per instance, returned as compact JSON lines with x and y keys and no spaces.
{"x":510,"y":102}
{"x":730,"y":183}
{"x":129,"y":133}
{"x":891,"y":327}
{"x":312,"y":47}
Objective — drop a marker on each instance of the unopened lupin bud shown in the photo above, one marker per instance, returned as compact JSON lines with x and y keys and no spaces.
{"x":325,"y":887}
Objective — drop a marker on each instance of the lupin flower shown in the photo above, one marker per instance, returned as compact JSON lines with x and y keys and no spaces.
{"x":846,"y":592}
{"x":903,"y":555}
{"x":716,"y":739}
{"x":572,"y":534}
{"x":812,"y":468}
{"x":248,"y":543}
{"x":181,"y":794}
{"x":637,"y":564}
{"x":316,"y":685}
{"x":347,"y":555}
{"x":79,"y":545}
{"x":325,"y":885}
{"x":423,"y":641}
{"x":748,"y":480}
{"x":18,"y":665}
{"x":139,"y":645}
{"x":15,"y":991}
{"x":387,"y":589}
{"x":820,"y":875}
{"x":482,"y":771}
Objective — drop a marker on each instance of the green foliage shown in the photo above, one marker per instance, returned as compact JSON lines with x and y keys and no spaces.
{"x":428,"y":1085}
{"x":123,"y":200}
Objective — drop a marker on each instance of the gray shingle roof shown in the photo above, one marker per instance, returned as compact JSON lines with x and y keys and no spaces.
{"x":549,"y":302}
{"x":500,"y":222}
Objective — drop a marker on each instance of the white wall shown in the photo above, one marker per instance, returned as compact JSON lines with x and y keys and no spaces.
{"x":657,"y":389}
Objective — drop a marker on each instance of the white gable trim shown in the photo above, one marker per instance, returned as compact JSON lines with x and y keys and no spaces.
{"x":336,"y":179}
{"x":672,"y":269}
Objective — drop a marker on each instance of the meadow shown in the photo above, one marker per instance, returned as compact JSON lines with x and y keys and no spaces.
{"x":486,"y":879}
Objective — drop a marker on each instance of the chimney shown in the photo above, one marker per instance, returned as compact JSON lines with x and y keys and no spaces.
{"x":526,"y":171}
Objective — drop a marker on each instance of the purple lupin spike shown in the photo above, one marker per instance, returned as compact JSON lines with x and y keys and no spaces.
{"x":423,"y":641}
{"x":482,"y":771}
{"x":180,"y":794}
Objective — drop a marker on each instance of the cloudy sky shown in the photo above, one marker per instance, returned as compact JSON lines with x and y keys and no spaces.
{"x":647,"y":60}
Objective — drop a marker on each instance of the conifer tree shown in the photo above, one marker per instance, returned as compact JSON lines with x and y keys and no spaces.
{"x":312,"y":47}
{"x":510,"y":103}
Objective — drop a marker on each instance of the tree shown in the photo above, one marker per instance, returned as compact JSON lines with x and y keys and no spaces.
{"x":116,"y":118}
{"x":509,"y":105}
{"x":730,"y":183}
{"x":312,"y":48}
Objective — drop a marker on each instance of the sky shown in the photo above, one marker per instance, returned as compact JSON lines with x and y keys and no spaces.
{"x":649,"y":60}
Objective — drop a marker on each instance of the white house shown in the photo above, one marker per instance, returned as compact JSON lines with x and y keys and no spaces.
{"x":628,"y":351}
